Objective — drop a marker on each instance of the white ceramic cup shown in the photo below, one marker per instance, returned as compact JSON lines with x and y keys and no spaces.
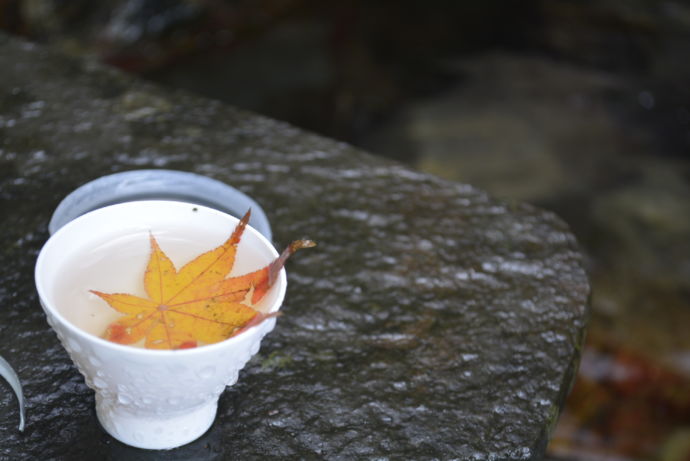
{"x":155,"y":399}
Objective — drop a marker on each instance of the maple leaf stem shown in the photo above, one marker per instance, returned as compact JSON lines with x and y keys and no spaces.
{"x":275,"y":267}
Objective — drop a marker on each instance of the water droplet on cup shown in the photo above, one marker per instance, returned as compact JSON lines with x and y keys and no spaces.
{"x":124,"y":399}
{"x":99,"y":383}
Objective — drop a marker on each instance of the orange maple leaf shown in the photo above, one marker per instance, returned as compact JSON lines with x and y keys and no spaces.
{"x":196,"y":304}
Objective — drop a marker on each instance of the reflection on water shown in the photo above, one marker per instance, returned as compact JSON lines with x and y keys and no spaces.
{"x":579,"y":107}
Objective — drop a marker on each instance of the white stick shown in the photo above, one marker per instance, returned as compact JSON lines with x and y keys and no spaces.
{"x":9,"y":374}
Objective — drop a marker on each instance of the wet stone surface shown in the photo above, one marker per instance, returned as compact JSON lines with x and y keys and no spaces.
{"x":432,"y":322}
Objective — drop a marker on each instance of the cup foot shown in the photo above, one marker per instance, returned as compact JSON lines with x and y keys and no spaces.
{"x":154,"y":432}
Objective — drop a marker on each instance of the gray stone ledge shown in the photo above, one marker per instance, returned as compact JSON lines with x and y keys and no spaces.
{"x":432,"y":322}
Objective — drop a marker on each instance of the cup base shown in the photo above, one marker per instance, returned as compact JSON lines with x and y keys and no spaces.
{"x":154,"y":432}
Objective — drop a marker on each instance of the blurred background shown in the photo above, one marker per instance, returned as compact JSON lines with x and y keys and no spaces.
{"x":581,"y":107}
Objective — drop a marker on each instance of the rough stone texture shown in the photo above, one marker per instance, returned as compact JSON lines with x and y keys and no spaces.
{"x":432,"y":322}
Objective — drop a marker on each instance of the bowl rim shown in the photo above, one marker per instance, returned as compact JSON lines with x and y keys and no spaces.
{"x":158,"y":184}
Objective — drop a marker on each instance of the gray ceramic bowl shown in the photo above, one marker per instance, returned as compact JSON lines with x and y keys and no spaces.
{"x":181,"y":186}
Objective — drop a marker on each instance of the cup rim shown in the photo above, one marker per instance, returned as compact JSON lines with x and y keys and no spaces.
{"x":281,"y":285}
